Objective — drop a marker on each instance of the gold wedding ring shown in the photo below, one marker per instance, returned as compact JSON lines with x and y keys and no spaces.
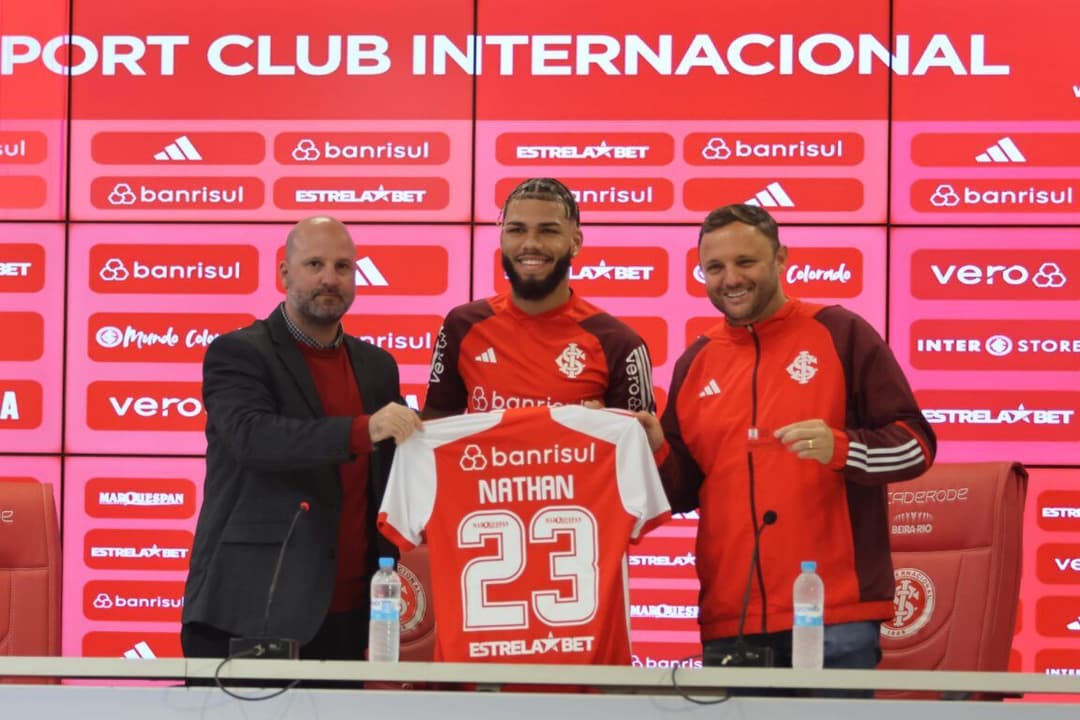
{"x":810,"y":443}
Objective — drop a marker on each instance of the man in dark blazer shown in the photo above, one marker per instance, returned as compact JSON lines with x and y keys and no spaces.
{"x":302,"y":422}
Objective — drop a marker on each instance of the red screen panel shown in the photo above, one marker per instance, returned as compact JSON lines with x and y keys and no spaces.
{"x":258,"y":114}
{"x":33,"y":110}
{"x":984,"y":113}
{"x":659,"y":113}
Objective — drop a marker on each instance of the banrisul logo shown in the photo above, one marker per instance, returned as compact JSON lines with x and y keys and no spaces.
{"x":479,"y":458}
{"x":174,"y":269}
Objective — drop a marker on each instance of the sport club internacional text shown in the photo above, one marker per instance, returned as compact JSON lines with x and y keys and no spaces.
{"x":583,"y":54}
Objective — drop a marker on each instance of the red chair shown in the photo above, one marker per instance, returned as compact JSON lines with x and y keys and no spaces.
{"x":29,"y":570}
{"x":956,"y":548}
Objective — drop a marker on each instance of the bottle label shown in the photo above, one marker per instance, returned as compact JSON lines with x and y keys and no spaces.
{"x":385,"y":610}
{"x":809,"y":616}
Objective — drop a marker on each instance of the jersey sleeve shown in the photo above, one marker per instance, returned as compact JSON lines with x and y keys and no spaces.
{"x":630,"y":385}
{"x":640,"y":488}
{"x":410,"y":493}
{"x":446,"y":392}
{"x":887,"y":437}
{"x":412,"y":488}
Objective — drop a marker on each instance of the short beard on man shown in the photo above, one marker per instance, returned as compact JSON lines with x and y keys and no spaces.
{"x":317,"y":314}
{"x":537,"y":289}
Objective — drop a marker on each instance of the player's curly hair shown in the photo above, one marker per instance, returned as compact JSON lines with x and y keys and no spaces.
{"x":545,"y":189}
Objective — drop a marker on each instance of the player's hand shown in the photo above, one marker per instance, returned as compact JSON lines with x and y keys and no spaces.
{"x":653,"y":431}
{"x":809,"y":439}
{"x":393,"y":420}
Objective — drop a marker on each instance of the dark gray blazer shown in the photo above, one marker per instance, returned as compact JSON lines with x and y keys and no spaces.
{"x":269,"y":447}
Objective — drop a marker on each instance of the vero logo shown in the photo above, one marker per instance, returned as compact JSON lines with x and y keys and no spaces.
{"x":996,"y":274}
{"x":1058,"y":563}
{"x":150,"y":406}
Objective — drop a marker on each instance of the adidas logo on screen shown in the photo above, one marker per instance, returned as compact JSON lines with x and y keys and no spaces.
{"x":179,"y":149}
{"x":772,"y":196}
{"x":368,"y":274}
{"x":1003,"y":151}
{"x":141,"y":651}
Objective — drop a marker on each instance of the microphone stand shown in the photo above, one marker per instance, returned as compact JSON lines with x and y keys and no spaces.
{"x":263,"y":646}
{"x":741,"y":653}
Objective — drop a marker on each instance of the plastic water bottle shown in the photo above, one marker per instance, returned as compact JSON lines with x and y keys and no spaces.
{"x":808,"y":631}
{"x":384,"y":630}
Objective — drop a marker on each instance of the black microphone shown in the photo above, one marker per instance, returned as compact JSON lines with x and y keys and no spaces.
{"x":740,"y":654}
{"x":263,"y":646}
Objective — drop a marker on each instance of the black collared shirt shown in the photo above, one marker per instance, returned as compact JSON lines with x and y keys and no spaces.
{"x":300,"y":336}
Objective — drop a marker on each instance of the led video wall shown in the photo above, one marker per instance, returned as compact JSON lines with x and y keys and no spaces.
{"x":923,"y":159}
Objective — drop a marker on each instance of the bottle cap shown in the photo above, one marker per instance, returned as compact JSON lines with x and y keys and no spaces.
{"x":386,"y":563}
{"x":809,"y":566}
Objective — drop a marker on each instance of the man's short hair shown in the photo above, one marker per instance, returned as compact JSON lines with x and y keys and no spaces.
{"x":748,"y":214}
{"x":548,"y":189}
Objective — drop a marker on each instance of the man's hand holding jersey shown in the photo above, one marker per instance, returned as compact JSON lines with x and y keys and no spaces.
{"x":653,"y":430}
{"x":393,"y":420}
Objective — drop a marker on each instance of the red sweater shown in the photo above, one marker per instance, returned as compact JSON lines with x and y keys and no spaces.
{"x":336,"y":384}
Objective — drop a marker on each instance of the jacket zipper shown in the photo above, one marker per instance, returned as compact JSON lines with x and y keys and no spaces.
{"x":750,"y":471}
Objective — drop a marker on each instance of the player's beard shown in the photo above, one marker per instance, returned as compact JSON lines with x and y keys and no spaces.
{"x":538,"y":288}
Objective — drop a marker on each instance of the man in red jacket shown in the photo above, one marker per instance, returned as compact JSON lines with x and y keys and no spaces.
{"x":794,"y":411}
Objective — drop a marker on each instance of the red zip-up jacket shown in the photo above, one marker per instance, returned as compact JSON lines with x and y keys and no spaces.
{"x":806,"y":361}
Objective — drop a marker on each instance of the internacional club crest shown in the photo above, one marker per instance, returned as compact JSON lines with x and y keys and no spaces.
{"x":571,"y":361}
{"x":414,"y":600}
{"x":913,"y":603}
{"x":803,"y":368}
